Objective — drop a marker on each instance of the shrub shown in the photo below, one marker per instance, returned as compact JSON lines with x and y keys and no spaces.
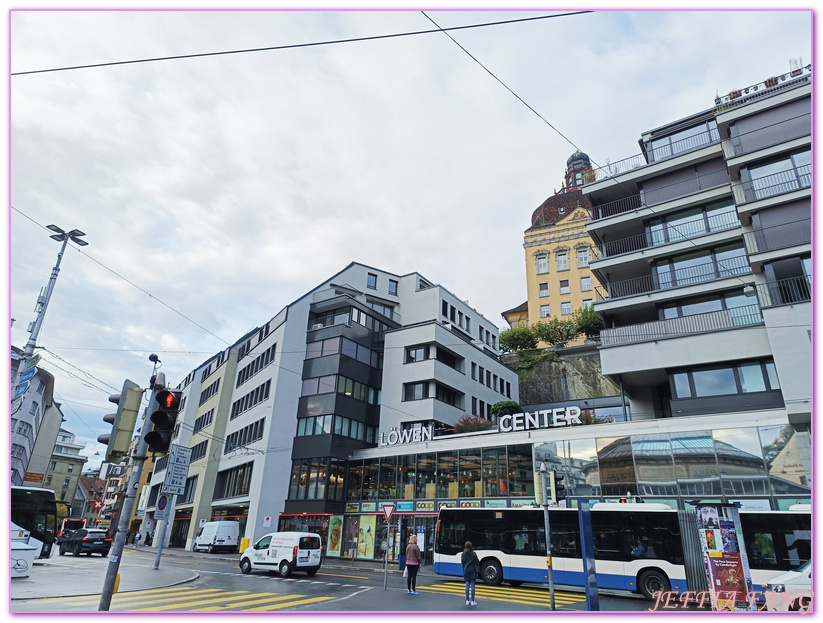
{"x":555,"y":331}
{"x":471,"y":423}
{"x":588,"y":322}
{"x":517,"y":338}
{"x":505,"y":407}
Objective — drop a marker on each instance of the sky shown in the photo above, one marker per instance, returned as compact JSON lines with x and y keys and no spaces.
{"x":215,"y":190}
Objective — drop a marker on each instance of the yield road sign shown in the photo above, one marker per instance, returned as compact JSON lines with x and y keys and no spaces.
{"x":388,"y":509}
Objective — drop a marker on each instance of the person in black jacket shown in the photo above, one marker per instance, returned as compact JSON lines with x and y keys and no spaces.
{"x":471,"y":570}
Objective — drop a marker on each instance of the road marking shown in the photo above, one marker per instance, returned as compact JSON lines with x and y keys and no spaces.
{"x":340,"y":575}
{"x":533,"y":597}
{"x":248,"y":602}
{"x":168,"y":592}
{"x":184,"y":605}
{"x":299,"y":602}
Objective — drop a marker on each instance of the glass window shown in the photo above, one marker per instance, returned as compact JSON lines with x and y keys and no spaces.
{"x":416,"y":353}
{"x":405,"y":476}
{"x":721,"y":215}
{"x":543,"y":289}
{"x":751,"y":378}
{"x":771,"y":372}
{"x":739,"y":456}
{"x":354,"y":480}
{"x":331,"y":346}
{"x":313,"y":349}
{"x":786,"y":470}
{"x":654,"y":465}
{"x":545,"y":311}
{"x":695,"y":463}
{"x":426,"y":464}
{"x":309,"y":387}
{"x":582,"y":258}
{"x":371,"y":281}
{"x":562,"y":259}
{"x":565,"y":308}
{"x":614,"y":455}
{"x":326,"y":384}
{"x":447,"y":480}
{"x":565,"y":286}
{"x":349,"y":348}
{"x":714,"y":382}
{"x":415,"y":391}
{"x":471,"y":485}
{"x":392,"y":286}
{"x":495,"y":483}
{"x":521,"y":470}
{"x":585,"y":284}
{"x":542,"y":264}
{"x":371,"y":467}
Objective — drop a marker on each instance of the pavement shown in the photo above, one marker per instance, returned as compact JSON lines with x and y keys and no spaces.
{"x":62,"y":576}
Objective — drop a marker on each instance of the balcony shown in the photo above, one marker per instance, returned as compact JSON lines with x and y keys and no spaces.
{"x":774,"y":134}
{"x":764,"y":89}
{"x":657,"y":154}
{"x":673,"y":232}
{"x":792,"y":179}
{"x":783,"y":236}
{"x":661,"y":195}
{"x":676,"y":277}
{"x":784,"y":292}
{"x":687,"y":325}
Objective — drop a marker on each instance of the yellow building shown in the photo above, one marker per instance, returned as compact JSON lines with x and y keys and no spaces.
{"x":558,"y":250}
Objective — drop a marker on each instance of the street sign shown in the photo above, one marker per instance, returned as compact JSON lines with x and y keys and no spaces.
{"x":20,"y":389}
{"x":177,"y":470}
{"x":160,"y":509}
{"x":16,"y":404}
{"x":27,"y":375}
{"x":388,"y":509}
{"x":30,"y":363}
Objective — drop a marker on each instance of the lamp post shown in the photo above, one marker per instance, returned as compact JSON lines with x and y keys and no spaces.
{"x":43,"y":301}
{"x":543,"y":474}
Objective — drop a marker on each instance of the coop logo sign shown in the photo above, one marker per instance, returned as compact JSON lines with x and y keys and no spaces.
{"x":406,"y":435}
{"x":547,"y":418}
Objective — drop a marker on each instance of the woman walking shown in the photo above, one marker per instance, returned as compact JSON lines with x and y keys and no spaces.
{"x":471,"y":570}
{"x":413,"y":559}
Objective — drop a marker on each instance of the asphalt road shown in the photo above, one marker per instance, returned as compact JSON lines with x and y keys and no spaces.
{"x":216,"y":584}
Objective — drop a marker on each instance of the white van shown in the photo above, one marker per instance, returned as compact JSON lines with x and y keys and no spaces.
{"x":284,"y":552}
{"x":791,"y":590}
{"x":217,"y":535}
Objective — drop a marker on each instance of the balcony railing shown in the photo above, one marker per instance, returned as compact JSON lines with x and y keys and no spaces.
{"x":784,"y":292}
{"x":777,"y":183}
{"x":774,"y":134}
{"x":660,"y":195}
{"x":671,"y":233}
{"x":658,"y":154}
{"x":763,"y":89}
{"x":780,"y":236}
{"x":709,"y":322}
{"x":687,"y":275}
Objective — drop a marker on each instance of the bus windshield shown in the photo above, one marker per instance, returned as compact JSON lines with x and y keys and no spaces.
{"x":36,"y":510}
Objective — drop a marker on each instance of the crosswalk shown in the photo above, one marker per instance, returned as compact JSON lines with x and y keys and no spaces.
{"x":519,"y":595}
{"x":190,"y":599}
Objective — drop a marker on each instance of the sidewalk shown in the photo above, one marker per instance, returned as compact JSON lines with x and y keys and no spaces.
{"x":70,"y":576}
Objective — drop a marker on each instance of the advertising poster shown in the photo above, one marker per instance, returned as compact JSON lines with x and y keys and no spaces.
{"x":335,"y":535}
{"x":724,"y":556}
{"x":350,"y":535}
{"x":365,"y":538}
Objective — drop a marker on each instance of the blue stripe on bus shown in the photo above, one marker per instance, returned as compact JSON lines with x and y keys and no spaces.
{"x":570,"y":578}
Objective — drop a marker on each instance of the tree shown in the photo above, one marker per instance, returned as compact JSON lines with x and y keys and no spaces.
{"x":555,"y":331}
{"x":505,"y":407}
{"x":471,"y":423}
{"x":588,"y":322}
{"x":517,"y":338}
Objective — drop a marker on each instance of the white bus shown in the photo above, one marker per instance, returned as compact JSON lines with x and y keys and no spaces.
{"x":638,"y":547}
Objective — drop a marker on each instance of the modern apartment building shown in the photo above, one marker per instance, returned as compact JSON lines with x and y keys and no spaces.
{"x":364,"y":359}
{"x":558,"y":252}
{"x":704,"y":256}
{"x":65,"y":466}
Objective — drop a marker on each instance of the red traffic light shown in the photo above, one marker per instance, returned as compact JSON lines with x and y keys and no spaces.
{"x":169,"y":399}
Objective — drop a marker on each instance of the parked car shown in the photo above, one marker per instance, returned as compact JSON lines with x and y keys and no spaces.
{"x":86,"y":541}
{"x":791,"y":590}
{"x":284,"y":552}
{"x":217,"y":535}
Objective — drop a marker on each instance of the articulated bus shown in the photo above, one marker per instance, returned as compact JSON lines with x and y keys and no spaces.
{"x":37,"y":511}
{"x":638,"y":547}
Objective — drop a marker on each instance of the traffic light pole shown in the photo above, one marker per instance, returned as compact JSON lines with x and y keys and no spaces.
{"x":137,"y":459}
{"x":160,"y":537}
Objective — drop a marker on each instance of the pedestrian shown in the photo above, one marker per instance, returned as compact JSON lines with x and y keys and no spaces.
{"x":137,"y":539}
{"x":413,"y":559}
{"x":471,"y":571}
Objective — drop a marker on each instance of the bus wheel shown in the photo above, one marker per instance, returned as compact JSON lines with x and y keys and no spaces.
{"x":652,"y":582}
{"x":492,"y":573}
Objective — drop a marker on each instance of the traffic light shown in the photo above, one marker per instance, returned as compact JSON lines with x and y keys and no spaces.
{"x":557,"y":487}
{"x":164,"y":418}
{"x":128,"y":404}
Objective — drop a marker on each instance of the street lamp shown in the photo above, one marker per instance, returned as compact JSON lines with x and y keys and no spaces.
{"x":543,"y":474}
{"x":43,"y":301}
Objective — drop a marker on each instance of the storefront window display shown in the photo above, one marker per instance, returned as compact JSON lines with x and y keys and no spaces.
{"x":405,"y":476}
{"x":388,"y":478}
{"x":521,"y":470}
{"x":471,"y":486}
{"x":355,"y":480}
{"x":495,"y":473}
{"x":426,"y":475}
{"x":447,"y":480}
{"x":370,"y":470}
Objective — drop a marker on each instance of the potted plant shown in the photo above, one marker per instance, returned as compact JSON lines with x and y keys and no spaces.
{"x":771,"y":82}
{"x":734,"y":95}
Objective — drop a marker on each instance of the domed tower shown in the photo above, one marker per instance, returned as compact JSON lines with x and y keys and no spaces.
{"x":578,"y":171}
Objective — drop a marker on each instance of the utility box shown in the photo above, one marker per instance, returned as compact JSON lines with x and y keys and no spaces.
{"x":22,"y":559}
